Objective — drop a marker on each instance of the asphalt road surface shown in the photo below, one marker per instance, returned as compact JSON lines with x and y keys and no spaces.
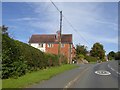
{"x":99,"y":75}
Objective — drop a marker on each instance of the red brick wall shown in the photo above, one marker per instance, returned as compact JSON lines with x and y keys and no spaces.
{"x":73,"y":52}
{"x":54,"y":50}
{"x":66,"y":50}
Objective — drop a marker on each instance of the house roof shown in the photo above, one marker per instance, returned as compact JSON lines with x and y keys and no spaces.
{"x":50,"y":38}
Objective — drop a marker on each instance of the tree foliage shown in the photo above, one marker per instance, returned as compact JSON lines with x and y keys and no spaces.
{"x":12,"y":61}
{"x":91,"y":59}
{"x":98,"y":51}
{"x":4,"y":29}
{"x":117,"y":55}
{"x":19,"y":58}
{"x":111,"y":55}
{"x":81,"y":49}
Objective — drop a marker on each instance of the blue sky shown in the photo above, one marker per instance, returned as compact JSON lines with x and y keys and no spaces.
{"x":93,"y":21}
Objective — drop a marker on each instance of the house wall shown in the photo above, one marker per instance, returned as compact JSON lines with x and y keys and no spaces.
{"x":64,"y":50}
{"x":73,"y":53}
{"x":53,"y":50}
{"x":67,"y":50}
{"x":36,"y":45}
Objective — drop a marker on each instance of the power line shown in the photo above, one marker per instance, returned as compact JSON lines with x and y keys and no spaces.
{"x":70,"y":23}
{"x":55,"y":5}
{"x":75,"y":29}
{"x":59,"y":47}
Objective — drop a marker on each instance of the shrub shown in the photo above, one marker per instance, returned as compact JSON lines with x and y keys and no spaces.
{"x":63,"y":59}
{"x":11,"y":59}
{"x":19,"y":58}
{"x":91,"y":59}
{"x":52,"y":60}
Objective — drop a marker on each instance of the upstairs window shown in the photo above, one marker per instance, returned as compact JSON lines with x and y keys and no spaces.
{"x":40,"y":45}
{"x":62,"y":45}
{"x":50,"y":45}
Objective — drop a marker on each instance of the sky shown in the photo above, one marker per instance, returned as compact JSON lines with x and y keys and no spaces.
{"x":91,"y":21}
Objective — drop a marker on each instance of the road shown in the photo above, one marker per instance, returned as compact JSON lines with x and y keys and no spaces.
{"x":85,"y":77}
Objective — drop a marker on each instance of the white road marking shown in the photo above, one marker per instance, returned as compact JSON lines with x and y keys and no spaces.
{"x":113,"y":69}
{"x":75,"y":79}
{"x":102,"y":72}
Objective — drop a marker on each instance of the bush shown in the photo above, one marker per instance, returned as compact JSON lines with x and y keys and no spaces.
{"x":64,"y":59}
{"x":19,"y":58}
{"x":52,"y":60}
{"x":91,"y":59}
{"x":35,"y":58}
{"x":12,"y":63}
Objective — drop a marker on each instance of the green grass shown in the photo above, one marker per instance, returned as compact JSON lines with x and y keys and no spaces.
{"x":35,"y":77}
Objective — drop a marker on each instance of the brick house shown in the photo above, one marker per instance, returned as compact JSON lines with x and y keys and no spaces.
{"x":49,"y":43}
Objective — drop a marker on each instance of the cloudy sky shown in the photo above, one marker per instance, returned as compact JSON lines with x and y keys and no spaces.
{"x":91,"y":21}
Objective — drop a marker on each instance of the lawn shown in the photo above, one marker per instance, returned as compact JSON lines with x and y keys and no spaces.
{"x":35,"y":77}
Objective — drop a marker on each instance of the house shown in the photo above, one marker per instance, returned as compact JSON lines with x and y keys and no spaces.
{"x":49,"y":43}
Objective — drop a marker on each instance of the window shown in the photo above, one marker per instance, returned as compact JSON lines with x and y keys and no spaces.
{"x":40,"y":45}
{"x":62,"y":45}
{"x":50,"y":45}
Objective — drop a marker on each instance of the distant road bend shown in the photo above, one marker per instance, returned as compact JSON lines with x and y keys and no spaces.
{"x":100,"y":75}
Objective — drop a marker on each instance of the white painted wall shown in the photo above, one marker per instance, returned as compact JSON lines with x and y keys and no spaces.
{"x":36,"y":45}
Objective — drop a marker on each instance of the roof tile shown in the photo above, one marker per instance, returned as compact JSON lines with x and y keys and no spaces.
{"x":50,"y":38}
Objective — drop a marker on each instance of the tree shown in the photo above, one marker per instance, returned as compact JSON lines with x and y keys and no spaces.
{"x":111,"y":55}
{"x":117,"y":56}
{"x":81,"y":52}
{"x":98,"y":51}
{"x":4,"y":30}
{"x":81,"y":49}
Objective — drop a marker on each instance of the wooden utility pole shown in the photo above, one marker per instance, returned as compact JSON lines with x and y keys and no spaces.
{"x":59,"y":48}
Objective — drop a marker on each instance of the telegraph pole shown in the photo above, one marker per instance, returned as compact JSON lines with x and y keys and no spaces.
{"x":60,"y":23}
{"x":59,"y":48}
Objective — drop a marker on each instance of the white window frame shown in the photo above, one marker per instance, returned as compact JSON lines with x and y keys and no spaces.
{"x":49,"y":45}
{"x":40,"y":45}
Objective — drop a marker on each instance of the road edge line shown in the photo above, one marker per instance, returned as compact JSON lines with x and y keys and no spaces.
{"x":75,"y":79}
{"x":113,"y":69}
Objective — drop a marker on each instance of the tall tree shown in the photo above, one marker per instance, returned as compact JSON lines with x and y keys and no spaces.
{"x":117,"y":56}
{"x":111,"y":55}
{"x":98,"y":51}
{"x":81,"y":49}
{"x":81,"y":52}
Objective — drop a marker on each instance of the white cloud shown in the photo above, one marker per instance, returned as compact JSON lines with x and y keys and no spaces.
{"x":24,"y":19}
{"x":81,"y":16}
{"x":105,"y":22}
{"x":113,"y":40}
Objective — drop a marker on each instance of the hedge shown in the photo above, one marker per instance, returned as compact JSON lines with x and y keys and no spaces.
{"x":91,"y":59}
{"x":19,"y":58}
{"x":13,"y":64}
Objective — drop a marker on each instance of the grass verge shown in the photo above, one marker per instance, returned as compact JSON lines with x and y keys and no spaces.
{"x":92,"y":62}
{"x":35,"y":77}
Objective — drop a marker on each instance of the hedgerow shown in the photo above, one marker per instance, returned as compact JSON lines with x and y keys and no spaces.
{"x":13,"y":64}
{"x":91,"y":59}
{"x":19,"y":58}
